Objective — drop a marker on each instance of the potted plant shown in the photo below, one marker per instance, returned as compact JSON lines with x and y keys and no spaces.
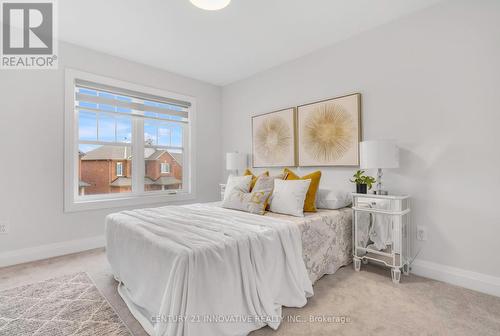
{"x":363,"y":182}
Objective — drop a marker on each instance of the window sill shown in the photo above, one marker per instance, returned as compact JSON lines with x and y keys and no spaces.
{"x":126,"y":201}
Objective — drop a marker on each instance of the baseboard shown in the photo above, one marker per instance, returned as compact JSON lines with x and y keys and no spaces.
{"x":48,"y":251}
{"x":456,"y":276}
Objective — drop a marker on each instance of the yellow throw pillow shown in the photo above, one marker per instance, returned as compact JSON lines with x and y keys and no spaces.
{"x":254,"y":178}
{"x":310,"y":202}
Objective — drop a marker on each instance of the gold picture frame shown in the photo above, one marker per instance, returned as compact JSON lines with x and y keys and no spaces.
{"x":329,"y":132}
{"x":274,"y":139}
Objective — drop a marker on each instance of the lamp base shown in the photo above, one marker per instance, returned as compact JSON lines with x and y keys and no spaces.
{"x":379,"y":190}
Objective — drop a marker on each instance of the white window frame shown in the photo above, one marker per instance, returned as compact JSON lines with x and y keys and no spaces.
{"x":119,"y":164}
{"x":166,"y":171}
{"x":75,"y":202}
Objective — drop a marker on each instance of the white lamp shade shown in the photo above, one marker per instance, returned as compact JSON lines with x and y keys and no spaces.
{"x":236,"y":161}
{"x":378,"y":154}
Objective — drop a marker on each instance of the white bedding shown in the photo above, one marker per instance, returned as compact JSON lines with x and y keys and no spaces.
{"x":185,"y":270}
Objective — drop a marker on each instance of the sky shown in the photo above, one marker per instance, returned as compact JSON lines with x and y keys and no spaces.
{"x":115,"y":127}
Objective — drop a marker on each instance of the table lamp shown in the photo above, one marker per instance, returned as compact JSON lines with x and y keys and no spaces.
{"x":379,"y":154}
{"x":236,"y":161}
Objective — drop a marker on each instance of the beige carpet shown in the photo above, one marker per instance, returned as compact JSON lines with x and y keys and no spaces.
{"x":65,"y":305}
{"x":346,"y":303}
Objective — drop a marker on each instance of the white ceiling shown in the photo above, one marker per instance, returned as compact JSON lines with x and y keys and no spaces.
{"x":224,"y":46}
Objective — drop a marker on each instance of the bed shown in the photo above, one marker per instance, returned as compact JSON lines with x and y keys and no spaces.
{"x":201,"y":269}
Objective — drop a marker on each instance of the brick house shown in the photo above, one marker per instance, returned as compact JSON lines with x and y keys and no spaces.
{"x":107,"y":169}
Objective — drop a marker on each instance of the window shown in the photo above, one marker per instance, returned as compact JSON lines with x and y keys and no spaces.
{"x":119,"y":169}
{"x":118,"y":134}
{"x":164,"y":168}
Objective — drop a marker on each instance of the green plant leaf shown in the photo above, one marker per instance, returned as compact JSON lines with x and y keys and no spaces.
{"x":360,"y":178}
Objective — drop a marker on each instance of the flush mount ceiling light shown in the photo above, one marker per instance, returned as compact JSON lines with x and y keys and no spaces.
{"x":210,"y":4}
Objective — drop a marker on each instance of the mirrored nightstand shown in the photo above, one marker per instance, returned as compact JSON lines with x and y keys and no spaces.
{"x":393,"y":226}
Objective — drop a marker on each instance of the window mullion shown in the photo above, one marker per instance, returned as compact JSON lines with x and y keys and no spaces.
{"x":97,"y":116}
{"x":116,"y":128}
{"x":138,"y":155}
{"x":186,"y":162}
{"x":76,"y":153}
{"x":170,"y":135}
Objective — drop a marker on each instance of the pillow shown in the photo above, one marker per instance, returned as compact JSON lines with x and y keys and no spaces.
{"x":289,"y":196}
{"x":267,"y":183}
{"x":254,"y":202}
{"x":330,"y":199}
{"x":240,"y":183}
{"x":248,"y":172}
{"x":310,"y":203}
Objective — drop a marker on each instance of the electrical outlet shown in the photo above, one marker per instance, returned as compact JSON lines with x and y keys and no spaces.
{"x":421,"y":233}
{"x":4,"y":227}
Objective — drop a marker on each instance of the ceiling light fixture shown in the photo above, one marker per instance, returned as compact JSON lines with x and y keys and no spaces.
{"x":211,"y":5}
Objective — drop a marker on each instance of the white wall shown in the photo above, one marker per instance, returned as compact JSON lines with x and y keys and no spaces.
{"x":432,"y":82}
{"x":31,"y":147}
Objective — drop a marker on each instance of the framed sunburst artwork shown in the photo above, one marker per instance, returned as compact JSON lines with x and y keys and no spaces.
{"x":273,"y":139}
{"x":329,"y":132}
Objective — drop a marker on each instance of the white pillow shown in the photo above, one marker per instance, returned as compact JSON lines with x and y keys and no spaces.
{"x":332,"y":199}
{"x":240,"y":183}
{"x":253,"y":202}
{"x":266,"y":182}
{"x":289,"y":196}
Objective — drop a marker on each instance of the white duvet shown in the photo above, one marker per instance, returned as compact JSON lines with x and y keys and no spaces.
{"x":203,"y":270}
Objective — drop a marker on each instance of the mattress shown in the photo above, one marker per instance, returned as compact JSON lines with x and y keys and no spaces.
{"x":184,"y":262}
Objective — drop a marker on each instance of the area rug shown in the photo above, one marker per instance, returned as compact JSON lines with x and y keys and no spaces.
{"x":62,"y":306}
